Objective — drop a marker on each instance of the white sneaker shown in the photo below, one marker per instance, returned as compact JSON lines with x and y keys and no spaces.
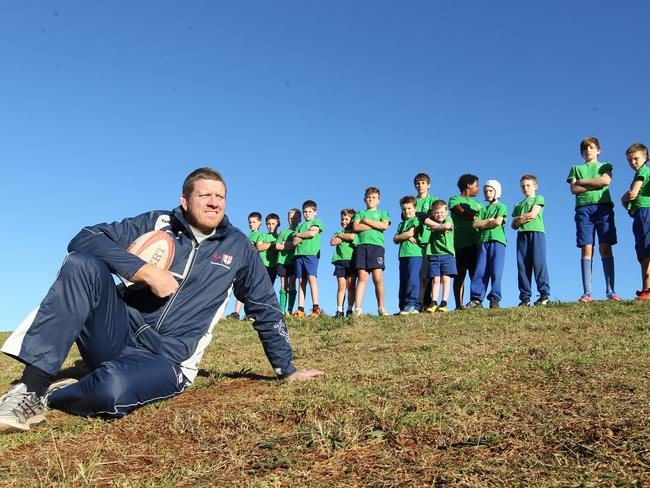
{"x":357,"y":312}
{"x":20,"y":409}
{"x":382,"y":312}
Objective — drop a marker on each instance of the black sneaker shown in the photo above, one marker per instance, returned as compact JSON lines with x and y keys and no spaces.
{"x":494,"y":304}
{"x":474,"y":304}
{"x":234,"y":316}
{"x":524,"y":303}
{"x":542,"y":300}
{"x":339,"y":315}
{"x":349,"y":313}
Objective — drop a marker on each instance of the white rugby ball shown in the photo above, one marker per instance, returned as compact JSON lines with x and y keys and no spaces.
{"x":155,"y":247}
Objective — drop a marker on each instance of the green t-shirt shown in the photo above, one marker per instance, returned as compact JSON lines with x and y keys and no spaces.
{"x":372,"y":236}
{"x":497,"y":234}
{"x":423,"y":209}
{"x":254,"y":236}
{"x":441,"y":242}
{"x":525,"y":206}
{"x":643,"y":197}
{"x":407,"y":249}
{"x":587,"y":171}
{"x":311,"y":246}
{"x":464,"y":234}
{"x":344,"y":250}
{"x":269,"y":256}
{"x":286,"y":257}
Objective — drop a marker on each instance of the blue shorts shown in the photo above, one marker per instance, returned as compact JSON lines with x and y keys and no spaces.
{"x":443,"y":265}
{"x":369,"y":257}
{"x":286,"y":270}
{"x":344,"y":268}
{"x":595,"y":219}
{"x":641,"y":231}
{"x":306,"y":266}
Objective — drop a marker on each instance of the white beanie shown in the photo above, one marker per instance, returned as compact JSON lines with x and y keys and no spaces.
{"x":496,"y":185}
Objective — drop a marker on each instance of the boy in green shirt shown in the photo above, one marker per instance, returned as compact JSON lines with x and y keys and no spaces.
{"x":410,"y":257}
{"x":594,"y":213}
{"x":265,"y":244}
{"x":463,"y":210}
{"x":440,"y":253}
{"x":307,"y":252}
{"x":531,"y":243}
{"x":344,"y":270}
{"x":370,"y":225}
{"x":254,"y":224}
{"x":490,"y":258}
{"x":286,"y":263}
{"x":423,"y":201}
{"x":637,"y":202}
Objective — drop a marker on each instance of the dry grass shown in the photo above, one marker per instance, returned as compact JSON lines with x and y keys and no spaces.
{"x":558,"y":396}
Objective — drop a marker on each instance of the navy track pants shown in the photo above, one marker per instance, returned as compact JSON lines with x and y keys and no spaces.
{"x":83,"y":305}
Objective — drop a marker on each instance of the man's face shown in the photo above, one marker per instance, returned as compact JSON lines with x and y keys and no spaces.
{"x":205,"y":205}
{"x":636,"y":159}
{"x":309,"y":213}
{"x":408,"y":210}
{"x":489,"y":193}
{"x":254,"y":223}
{"x":372,"y":200}
{"x":271,"y":225}
{"x":422,"y":187}
{"x":439,"y":213}
{"x":472,"y":189}
{"x":591,"y":152}
{"x":528,"y":188}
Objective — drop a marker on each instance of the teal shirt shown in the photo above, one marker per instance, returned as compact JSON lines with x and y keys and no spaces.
{"x":286,"y":257}
{"x":423,"y":209}
{"x":310,"y":246}
{"x":525,"y":206}
{"x":497,"y":234}
{"x":441,"y":242}
{"x":269,"y":256}
{"x":643,"y":197}
{"x":372,"y":236}
{"x":464,"y":234}
{"x":587,"y":171}
{"x":345,"y":249}
{"x":408,"y":249}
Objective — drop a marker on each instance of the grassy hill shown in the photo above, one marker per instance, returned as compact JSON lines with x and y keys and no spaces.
{"x":542,"y":396}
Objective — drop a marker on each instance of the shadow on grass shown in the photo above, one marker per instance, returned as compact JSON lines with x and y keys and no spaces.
{"x":234,"y":375}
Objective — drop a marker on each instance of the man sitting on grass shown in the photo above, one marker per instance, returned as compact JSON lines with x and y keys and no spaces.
{"x":144,"y":342}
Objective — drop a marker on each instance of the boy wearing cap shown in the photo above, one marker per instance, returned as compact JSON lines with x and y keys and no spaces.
{"x":490,"y":222}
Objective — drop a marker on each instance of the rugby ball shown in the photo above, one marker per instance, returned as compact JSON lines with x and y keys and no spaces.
{"x":155,"y":247}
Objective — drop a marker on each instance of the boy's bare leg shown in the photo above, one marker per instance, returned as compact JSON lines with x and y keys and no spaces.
{"x":435,"y":288}
{"x":645,"y":273}
{"x":351,"y":285}
{"x":238,"y":306}
{"x":605,"y":250}
{"x":446,"y":281}
{"x":361,"y":288}
{"x":587,"y":251}
{"x":302,"y":291}
{"x":459,"y":287}
{"x":378,"y":280}
{"x":340,"y":291}
{"x":313,"y":286}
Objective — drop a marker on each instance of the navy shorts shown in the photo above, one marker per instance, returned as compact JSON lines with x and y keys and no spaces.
{"x":595,"y":219}
{"x":272,"y":271}
{"x":286,"y":270}
{"x":344,"y":268}
{"x":306,"y":266}
{"x":466,"y":258}
{"x":443,"y":265}
{"x":369,"y":257}
{"x":641,"y":231}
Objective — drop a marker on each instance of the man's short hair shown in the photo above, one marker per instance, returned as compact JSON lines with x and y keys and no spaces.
{"x":466,"y":180}
{"x":588,"y":140}
{"x":528,"y":177}
{"x":637,"y":147}
{"x":309,"y":204}
{"x":407,"y":199}
{"x":421,"y":176}
{"x":348,"y":211}
{"x":201,"y":174}
{"x":438,"y":204}
{"x":370,"y":190}
{"x":255,"y":215}
{"x":272,"y":216}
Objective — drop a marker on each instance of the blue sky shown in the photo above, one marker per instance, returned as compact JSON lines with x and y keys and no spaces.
{"x":106,"y":106}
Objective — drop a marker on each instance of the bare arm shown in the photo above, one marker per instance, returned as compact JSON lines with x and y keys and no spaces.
{"x":357,"y":226}
{"x":376,"y":224}
{"x":310,"y":233}
{"x":486,"y":224}
{"x":263,"y":246}
{"x":404,"y":236}
{"x":632,"y":193}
